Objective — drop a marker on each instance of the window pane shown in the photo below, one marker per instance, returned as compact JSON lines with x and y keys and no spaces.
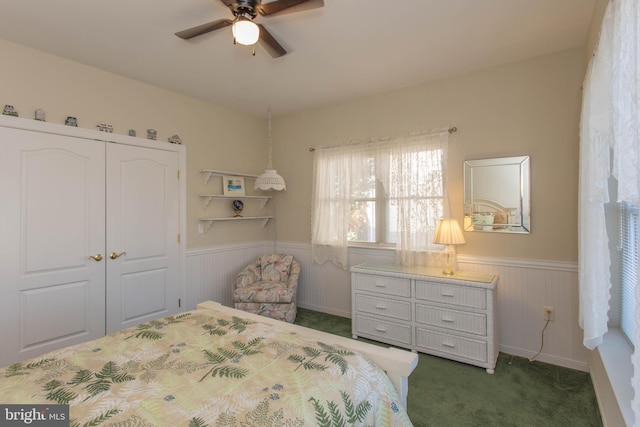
{"x":362,"y":224}
{"x":363,"y":178}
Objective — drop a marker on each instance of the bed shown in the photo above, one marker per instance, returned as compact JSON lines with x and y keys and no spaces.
{"x":489,"y":215}
{"x":217,"y":366}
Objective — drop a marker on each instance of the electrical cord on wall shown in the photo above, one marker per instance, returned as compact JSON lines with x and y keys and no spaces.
{"x":532,"y":359}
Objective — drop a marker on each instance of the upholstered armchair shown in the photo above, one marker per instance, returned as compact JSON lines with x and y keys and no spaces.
{"x":268,"y":286}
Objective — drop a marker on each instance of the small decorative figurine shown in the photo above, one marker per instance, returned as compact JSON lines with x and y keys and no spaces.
{"x":175,"y":139}
{"x":39,"y":115}
{"x":237,"y":206}
{"x":8,"y":110}
{"x":132,"y":132}
{"x":105,"y":127}
{"x":152,"y":134}
{"x":71,"y":121}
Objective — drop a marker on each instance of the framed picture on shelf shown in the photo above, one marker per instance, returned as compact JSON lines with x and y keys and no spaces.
{"x":233,"y":186}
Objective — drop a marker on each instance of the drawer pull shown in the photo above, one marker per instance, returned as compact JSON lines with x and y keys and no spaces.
{"x":450,"y":345}
{"x":381,"y":307}
{"x":447,"y":294}
{"x":448,"y":320}
{"x":380,"y":329}
{"x":381,"y":285}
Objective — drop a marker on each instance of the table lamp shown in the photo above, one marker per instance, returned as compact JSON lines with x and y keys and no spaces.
{"x":449,"y":234}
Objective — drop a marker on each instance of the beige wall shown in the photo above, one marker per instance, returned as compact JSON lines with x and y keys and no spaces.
{"x":594,"y":29}
{"x":525,"y":108}
{"x":215,"y":137}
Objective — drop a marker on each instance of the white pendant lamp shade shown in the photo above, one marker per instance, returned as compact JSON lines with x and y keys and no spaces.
{"x":269,"y":180}
{"x":245,"y":32}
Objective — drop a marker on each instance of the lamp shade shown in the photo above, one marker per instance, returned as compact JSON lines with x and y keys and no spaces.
{"x":449,"y":233}
{"x":270,"y":180}
{"x":245,"y":32}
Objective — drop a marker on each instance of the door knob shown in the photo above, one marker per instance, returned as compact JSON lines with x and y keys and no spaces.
{"x":97,"y":257}
{"x":114,"y":255}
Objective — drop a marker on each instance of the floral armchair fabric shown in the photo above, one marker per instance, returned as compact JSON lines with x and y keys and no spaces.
{"x":268,"y":287}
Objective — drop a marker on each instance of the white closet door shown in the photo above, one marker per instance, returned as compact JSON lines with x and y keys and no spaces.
{"x":142,"y":230}
{"x":51,"y":220}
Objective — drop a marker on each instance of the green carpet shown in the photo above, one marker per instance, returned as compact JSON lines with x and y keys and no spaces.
{"x":444,"y":393}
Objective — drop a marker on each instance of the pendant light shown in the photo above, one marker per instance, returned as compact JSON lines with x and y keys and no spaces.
{"x":269,"y":180}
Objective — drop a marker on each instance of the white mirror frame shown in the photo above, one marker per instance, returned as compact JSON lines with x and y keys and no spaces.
{"x":497,"y":195}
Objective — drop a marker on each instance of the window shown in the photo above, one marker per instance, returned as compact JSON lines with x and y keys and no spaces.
{"x":628,"y":267}
{"x":419,"y":195}
{"x":389,"y":192}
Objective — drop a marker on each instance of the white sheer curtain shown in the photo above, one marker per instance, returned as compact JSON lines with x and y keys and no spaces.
{"x":417,"y":180}
{"x":412,"y":171}
{"x":610,"y":124}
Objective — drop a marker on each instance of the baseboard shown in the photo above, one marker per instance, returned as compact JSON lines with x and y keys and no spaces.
{"x":545,"y":358}
{"x":326,"y":310}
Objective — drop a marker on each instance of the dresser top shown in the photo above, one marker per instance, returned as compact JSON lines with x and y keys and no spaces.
{"x":423,"y":272}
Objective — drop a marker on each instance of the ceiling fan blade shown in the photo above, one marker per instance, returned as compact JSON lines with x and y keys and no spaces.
{"x":282,"y":7}
{"x":269,"y":43}
{"x":204,"y":29}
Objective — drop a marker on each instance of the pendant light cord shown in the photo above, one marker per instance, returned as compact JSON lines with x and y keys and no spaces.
{"x":270,"y":165}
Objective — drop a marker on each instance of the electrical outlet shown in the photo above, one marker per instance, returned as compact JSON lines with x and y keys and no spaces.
{"x":200,"y":228}
{"x":549,"y":313}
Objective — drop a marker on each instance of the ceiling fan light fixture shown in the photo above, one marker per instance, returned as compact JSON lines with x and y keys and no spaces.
{"x":245,"y":32}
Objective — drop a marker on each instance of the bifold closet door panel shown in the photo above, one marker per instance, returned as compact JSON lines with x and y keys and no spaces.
{"x":142,"y":235}
{"x":52,"y":214}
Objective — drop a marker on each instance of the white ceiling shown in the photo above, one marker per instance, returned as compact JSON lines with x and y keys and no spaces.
{"x":345,"y":50}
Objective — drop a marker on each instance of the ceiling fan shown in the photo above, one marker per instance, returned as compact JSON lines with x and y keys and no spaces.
{"x":245,"y":31}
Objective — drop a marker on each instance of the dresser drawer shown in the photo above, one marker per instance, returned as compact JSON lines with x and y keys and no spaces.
{"x":451,"y":344}
{"x":473,"y":323}
{"x":383,"y":284}
{"x":384,"y":307}
{"x":451,"y":294}
{"x":386,"y":331}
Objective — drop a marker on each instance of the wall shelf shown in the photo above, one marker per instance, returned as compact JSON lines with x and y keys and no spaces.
{"x":207,"y":198}
{"x":208,"y":222}
{"x":206,"y":174}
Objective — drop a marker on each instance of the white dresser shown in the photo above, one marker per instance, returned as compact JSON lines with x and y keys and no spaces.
{"x":423,"y":310}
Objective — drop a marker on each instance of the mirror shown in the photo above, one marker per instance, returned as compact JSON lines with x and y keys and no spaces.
{"x":497,"y":195}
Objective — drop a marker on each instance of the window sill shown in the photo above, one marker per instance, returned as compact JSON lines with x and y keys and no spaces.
{"x":615,"y":353}
{"x":387,"y":246}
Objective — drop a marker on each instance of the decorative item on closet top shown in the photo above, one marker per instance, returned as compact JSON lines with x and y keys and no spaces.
{"x":269,"y":180}
{"x":8,"y":110}
{"x":40,"y":115}
{"x":206,"y":223}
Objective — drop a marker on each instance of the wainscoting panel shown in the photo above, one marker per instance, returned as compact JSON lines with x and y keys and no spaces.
{"x":524,"y":289}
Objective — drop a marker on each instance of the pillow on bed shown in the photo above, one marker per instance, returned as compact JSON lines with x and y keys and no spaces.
{"x":276,"y":267}
{"x":500,"y":218}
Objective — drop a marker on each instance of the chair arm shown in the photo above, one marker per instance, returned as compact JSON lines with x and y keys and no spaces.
{"x":249,"y":275}
{"x":294,"y":274}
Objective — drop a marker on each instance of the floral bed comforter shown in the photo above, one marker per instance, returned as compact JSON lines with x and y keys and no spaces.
{"x":204,"y":368}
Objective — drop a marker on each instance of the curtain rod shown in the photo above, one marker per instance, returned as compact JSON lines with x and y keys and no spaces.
{"x":450,"y":130}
